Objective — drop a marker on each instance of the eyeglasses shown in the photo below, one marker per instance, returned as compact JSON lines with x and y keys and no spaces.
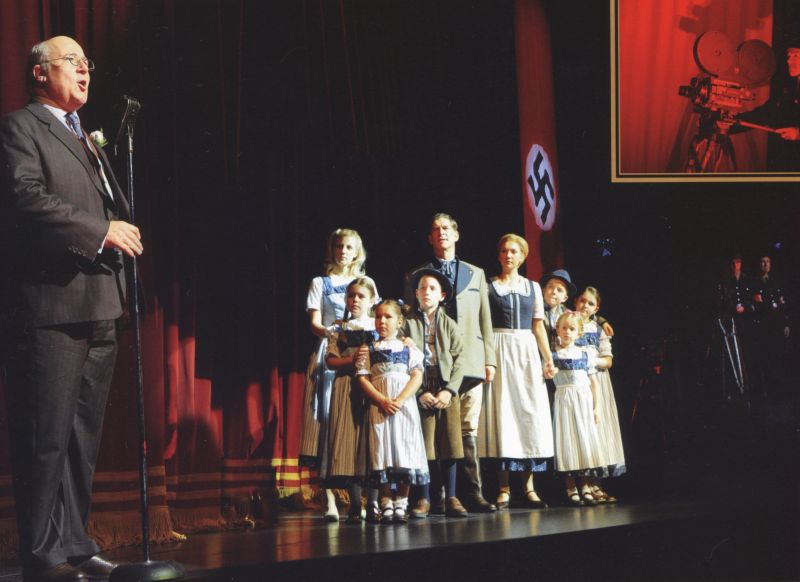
{"x":75,"y":61}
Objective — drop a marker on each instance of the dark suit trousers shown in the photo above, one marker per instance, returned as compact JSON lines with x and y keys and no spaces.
{"x":58,"y":382}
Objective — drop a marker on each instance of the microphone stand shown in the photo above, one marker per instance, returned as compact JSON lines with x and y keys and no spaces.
{"x":147,"y":570}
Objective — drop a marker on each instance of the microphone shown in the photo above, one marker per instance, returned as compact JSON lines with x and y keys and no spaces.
{"x":130,"y":108}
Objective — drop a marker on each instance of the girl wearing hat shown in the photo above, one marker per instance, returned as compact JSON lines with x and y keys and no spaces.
{"x":558,"y":287}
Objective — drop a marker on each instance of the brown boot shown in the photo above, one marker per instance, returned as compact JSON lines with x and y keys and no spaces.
{"x":453,"y":508}
{"x":471,"y":479}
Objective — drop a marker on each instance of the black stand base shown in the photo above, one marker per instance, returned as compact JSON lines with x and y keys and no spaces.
{"x":147,"y":571}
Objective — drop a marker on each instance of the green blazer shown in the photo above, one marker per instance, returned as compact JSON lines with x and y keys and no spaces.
{"x":473,"y":316}
{"x":448,"y":345}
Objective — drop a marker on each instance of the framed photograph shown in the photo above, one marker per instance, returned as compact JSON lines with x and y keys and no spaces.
{"x":704,"y":90}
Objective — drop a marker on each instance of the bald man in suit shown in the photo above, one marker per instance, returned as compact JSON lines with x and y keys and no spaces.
{"x":64,"y":231}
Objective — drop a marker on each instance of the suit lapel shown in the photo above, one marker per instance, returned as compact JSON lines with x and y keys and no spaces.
{"x":464,"y":277}
{"x":70,"y":141}
{"x":119,"y":196}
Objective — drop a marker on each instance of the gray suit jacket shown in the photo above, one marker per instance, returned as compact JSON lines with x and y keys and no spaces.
{"x":56,"y":213}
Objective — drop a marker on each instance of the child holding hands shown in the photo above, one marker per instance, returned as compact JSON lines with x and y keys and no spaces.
{"x":575,"y":412}
{"x":389,"y":373}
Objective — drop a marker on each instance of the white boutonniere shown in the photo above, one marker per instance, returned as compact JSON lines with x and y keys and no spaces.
{"x":98,"y":138}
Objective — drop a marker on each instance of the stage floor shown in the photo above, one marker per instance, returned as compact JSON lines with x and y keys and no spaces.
{"x":304,"y":536}
{"x":662,"y":540}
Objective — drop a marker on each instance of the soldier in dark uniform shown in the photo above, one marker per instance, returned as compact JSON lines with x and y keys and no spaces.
{"x":736,"y":294}
{"x":736,"y":310}
{"x":770,"y":301}
{"x":771,"y":327}
{"x":782,"y":112}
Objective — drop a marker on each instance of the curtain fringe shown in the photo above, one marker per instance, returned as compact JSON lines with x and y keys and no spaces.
{"x":112,"y":529}
{"x":198,"y":519}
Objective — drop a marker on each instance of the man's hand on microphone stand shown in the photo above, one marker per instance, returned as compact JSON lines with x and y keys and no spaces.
{"x":125,"y":237}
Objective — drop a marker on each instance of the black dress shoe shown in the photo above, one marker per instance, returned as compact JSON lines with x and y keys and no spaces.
{"x":532,"y":502}
{"x":96,"y":568}
{"x":477,"y":504}
{"x":436,"y":509}
{"x":61,"y":573}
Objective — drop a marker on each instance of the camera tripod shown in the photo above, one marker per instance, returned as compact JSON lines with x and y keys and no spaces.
{"x":711,"y":150}
{"x":733,"y":354}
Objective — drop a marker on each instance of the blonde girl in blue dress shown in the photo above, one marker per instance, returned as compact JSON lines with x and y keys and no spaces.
{"x":390,"y":372}
{"x":575,"y":412}
{"x":344,"y":261}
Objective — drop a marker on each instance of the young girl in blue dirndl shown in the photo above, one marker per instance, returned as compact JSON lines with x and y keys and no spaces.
{"x":344,"y":261}
{"x":390,"y":373}
{"x":345,"y":457}
{"x":598,"y":344}
{"x":577,"y":444}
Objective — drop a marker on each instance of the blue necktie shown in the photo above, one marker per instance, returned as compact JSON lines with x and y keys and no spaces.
{"x":75,"y":123}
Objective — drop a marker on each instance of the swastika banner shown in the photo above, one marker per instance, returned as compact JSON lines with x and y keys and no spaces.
{"x":540,"y":196}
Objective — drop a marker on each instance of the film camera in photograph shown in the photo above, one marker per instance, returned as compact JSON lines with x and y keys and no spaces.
{"x":723,"y":91}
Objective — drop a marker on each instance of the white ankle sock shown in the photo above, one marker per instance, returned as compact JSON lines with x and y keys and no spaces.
{"x":331,"y":507}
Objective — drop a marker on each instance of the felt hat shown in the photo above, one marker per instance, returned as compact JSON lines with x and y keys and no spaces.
{"x":447,"y":287}
{"x":564,"y":276}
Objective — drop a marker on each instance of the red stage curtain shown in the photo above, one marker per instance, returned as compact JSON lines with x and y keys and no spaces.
{"x":263,"y":126}
{"x":220,"y":434}
{"x":22,"y":26}
{"x":655,"y":40}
